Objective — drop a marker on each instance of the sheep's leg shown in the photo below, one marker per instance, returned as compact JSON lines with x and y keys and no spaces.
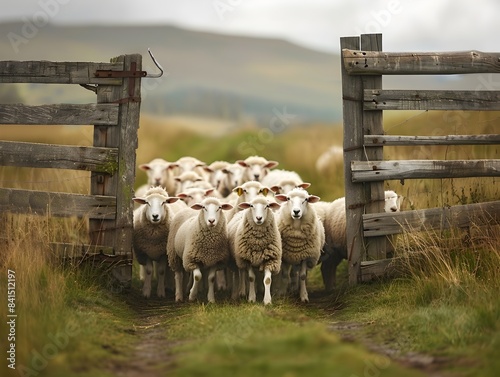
{"x":235,"y":285}
{"x":161,"y":269}
{"x":211,"y":282}
{"x":294,"y":279}
{"x":267,"y":286}
{"x":221,"y":280}
{"x":178,"y":286}
{"x":251,"y":285}
{"x":146,"y":289}
{"x":303,"y":276}
{"x":243,"y":282}
{"x":193,"y":293}
{"x":142,"y":272}
{"x":328,"y":268}
{"x":285,"y":277}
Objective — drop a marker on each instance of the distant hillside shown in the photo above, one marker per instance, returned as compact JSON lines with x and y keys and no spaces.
{"x":207,"y":73}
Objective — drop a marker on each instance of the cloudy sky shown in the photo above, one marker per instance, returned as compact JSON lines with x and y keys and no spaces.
{"x":442,"y":25}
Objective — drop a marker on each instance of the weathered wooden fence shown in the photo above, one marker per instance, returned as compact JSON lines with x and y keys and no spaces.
{"x":111,"y":159}
{"x":363,"y":64}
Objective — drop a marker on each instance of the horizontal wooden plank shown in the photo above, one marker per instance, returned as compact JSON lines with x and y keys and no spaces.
{"x":428,"y":219}
{"x":57,"y":204}
{"x":376,"y":99}
{"x":65,"y":114}
{"x":419,"y":63}
{"x":37,"y":155}
{"x":72,"y":250}
{"x":395,"y":140}
{"x":371,"y":171}
{"x":46,"y":72}
{"x":375,"y":269}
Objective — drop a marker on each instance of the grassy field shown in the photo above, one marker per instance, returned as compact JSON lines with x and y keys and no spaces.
{"x":440,"y":316}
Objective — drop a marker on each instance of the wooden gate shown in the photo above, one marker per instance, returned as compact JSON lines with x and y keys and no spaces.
{"x":111,"y":159}
{"x":364,"y":100}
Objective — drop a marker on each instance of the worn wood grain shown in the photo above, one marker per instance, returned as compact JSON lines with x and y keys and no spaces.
{"x":37,"y":155}
{"x":398,"y":140}
{"x":57,"y":203}
{"x":430,"y":219}
{"x":64,"y":114}
{"x":369,"y":171}
{"x":431,"y":100}
{"x":414,"y":63}
{"x":46,"y":72}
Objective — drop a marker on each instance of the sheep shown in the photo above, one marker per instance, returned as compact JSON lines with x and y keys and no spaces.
{"x":302,"y":235}
{"x":234,"y":177}
{"x":186,"y":179}
{"x":192,"y":195}
{"x":256,"y":167}
{"x":217,"y":176}
{"x":283,"y":181}
{"x":160,"y":173}
{"x":188,"y":163}
{"x":255,"y":242}
{"x":246,"y":192}
{"x":151,"y":226}
{"x":330,"y":159}
{"x":333,"y":216}
{"x":198,"y":241}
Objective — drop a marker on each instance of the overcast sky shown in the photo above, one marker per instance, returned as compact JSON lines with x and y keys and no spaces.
{"x":442,"y":25}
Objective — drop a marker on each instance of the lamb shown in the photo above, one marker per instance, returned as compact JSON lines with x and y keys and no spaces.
{"x":255,"y":242}
{"x":256,"y":167}
{"x":160,"y":173}
{"x":198,"y":241}
{"x":151,"y":227}
{"x":302,"y":235}
{"x":333,"y":216}
{"x":283,"y":181}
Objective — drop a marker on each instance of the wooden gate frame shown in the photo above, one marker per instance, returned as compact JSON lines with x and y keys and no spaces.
{"x":364,"y":100}
{"x":111,"y":159}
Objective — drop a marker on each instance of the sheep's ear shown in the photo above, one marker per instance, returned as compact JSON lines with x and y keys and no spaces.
{"x":209,"y":191}
{"x":244,"y":205}
{"x":201,"y":165}
{"x":173,"y":165}
{"x":198,"y":179}
{"x":264,"y":191}
{"x":144,"y":167}
{"x":197,"y":206}
{"x":177,"y":179}
{"x":304,"y":185}
{"x":238,"y":190}
{"x":182,"y":195}
{"x":274,"y":205}
{"x":281,"y":197}
{"x":271,"y":164}
{"x":313,"y":199}
{"x":242,"y":163}
{"x":226,"y":171}
{"x":226,"y":206}
{"x":139,"y":200}
{"x":208,"y":169}
{"x":276,"y":189}
{"x":172,"y":199}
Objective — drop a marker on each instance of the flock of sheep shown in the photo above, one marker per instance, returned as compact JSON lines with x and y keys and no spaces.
{"x":228,"y":225}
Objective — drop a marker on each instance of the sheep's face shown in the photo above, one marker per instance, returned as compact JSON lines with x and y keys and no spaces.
{"x":249,"y":191}
{"x":217,"y":177}
{"x":211,"y":211}
{"x":234,"y":175}
{"x":258,"y":169}
{"x":156,"y":207}
{"x":157,"y":172}
{"x":194,"y":195}
{"x":297,"y":202}
{"x":259,"y":209}
{"x":189,"y":164}
{"x":392,"y":202}
{"x":186,"y":180}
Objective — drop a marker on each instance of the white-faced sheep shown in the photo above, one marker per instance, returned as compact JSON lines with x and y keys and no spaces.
{"x":333,"y":216}
{"x":302,"y":235}
{"x":234,"y":177}
{"x":197,"y":241}
{"x":283,"y":181}
{"x":186,"y":179}
{"x":256,"y":167}
{"x":217,"y":176}
{"x":193,"y":195}
{"x":246,"y":192}
{"x":255,"y":242}
{"x":151,"y":227}
{"x":160,"y":173}
{"x":188,"y":163}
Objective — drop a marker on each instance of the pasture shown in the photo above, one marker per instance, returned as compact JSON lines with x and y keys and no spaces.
{"x":440,"y":315}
